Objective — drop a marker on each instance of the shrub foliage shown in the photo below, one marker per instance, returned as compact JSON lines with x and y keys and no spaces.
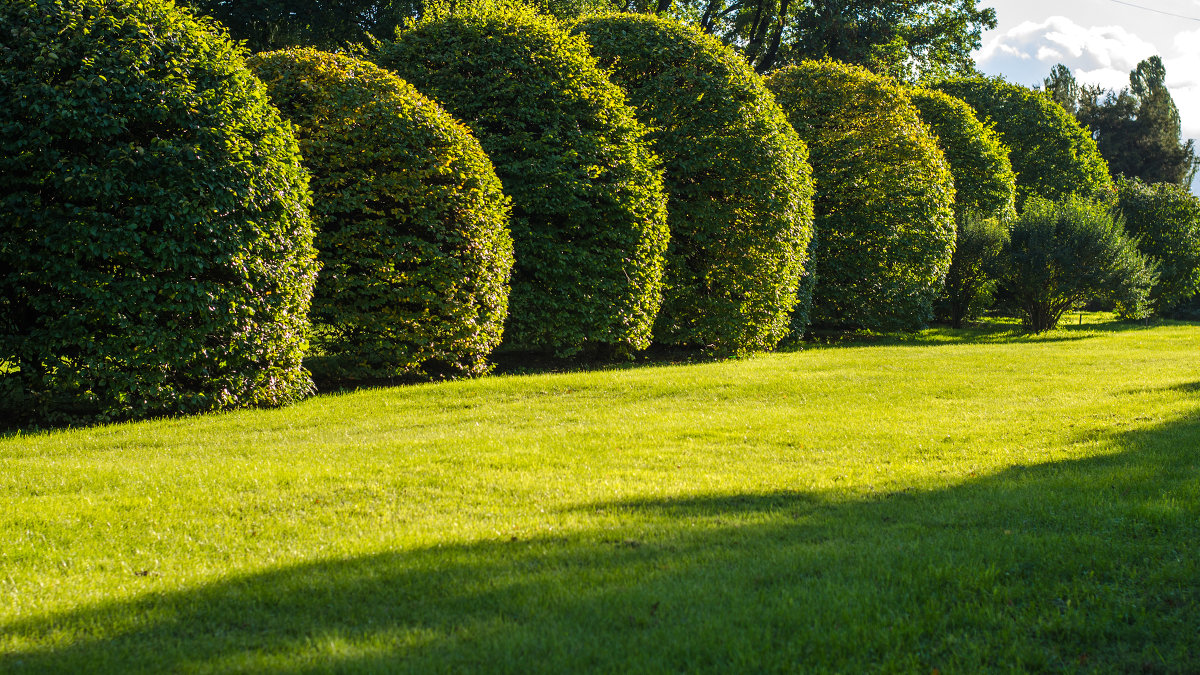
{"x":984,"y":182}
{"x":738,"y":182}
{"x":1052,"y":155}
{"x":975,"y":270}
{"x":1065,"y":253}
{"x":589,"y":214}
{"x":412,"y":225}
{"x":884,"y":197}
{"x":1165,"y":219}
{"x":156,"y":249}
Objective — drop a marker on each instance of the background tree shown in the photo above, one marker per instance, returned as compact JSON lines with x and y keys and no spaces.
{"x":1165,"y":219}
{"x":1137,"y":129}
{"x":326,"y":24}
{"x":1063,"y":88}
{"x":1065,"y":253}
{"x":903,"y":38}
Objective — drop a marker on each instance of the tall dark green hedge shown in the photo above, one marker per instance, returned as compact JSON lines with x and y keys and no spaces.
{"x":1052,"y":155}
{"x":737,"y":176}
{"x":1165,"y":220}
{"x":155,"y":247}
{"x":412,"y":225}
{"x":884,"y":219}
{"x":589,"y":214}
{"x":984,"y":181}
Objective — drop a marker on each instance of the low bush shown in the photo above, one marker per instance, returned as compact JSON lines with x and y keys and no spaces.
{"x":884,"y":197}
{"x":589,"y":214}
{"x":975,"y":269}
{"x":1053,"y":156}
{"x":738,"y":182}
{"x":1165,"y":220}
{"x":412,"y":225}
{"x":1064,"y":253}
{"x":156,"y":247}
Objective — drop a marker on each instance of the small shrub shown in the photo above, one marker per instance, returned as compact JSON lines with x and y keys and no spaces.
{"x":1052,"y":155}
{"x":156,"y":248}
{"x":737,"y":177}
{"x":412,"y":226}
{"x":975,"y":269}
{"x":984,"y":182}
{"x":1064,"y":253}
{"x":884,"y":196}
{"x":1165,"y":219}
{"x":589,"y":214}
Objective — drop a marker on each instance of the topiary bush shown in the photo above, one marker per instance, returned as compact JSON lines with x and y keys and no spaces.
{"x":884,"y":196}
{"x":1064,"y":253}
{"x":589,"y":215}
{"x":984,"y":182}
{"x":1052,"y":155}
{"x":156,"y":248}
{"x":412,"y":225}
{"x":737,"y":177}
{"x":1164,"y":218}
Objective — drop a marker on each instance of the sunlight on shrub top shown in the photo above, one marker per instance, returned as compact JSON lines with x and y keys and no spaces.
{"x":1051,"y":154}
{"x":412,"y":226}
{"x":984,"y":182}
{"x":589,"y":215}
{"x":884,"y":220}
{"x":156,"y":249}
{"x":737,"y":177}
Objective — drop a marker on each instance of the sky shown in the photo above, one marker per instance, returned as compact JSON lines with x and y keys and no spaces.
{"x":1100,"y":41}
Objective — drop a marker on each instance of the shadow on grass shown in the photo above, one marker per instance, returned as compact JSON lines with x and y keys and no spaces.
{"x":1088,"y":566}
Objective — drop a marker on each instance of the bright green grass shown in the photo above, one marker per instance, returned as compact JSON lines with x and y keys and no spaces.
{"x":961,"y":500}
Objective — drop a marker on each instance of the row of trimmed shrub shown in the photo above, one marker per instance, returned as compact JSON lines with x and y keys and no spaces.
{"x":159,"y":255}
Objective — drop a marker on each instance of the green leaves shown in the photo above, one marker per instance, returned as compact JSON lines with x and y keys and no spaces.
{"x":1051,"y":154}
{"x":589,"y":218}
{"x":412,"y":225}
{"x":884,"y":196}
{"x":1064,"y":253}
{"x":1164,"y":219}
{"x":156,"y":253}
{"x":737,"y":179}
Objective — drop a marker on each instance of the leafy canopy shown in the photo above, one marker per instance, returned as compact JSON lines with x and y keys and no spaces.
{"x":1165,"y":219}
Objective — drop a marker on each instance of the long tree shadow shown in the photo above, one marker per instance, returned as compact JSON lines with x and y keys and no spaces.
{"x":1087,"y":566}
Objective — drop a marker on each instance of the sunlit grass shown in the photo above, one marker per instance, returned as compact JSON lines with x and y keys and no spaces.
{"x":961,"y":500}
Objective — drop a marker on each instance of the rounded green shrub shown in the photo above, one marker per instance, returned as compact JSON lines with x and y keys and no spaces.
{"x":884,"y":197}
{"x":588,"y":210}
{"x":1065,"y":253}
{"x":738,"y":182}
{"x":1052,"y":155}
{"x":412,"y":225}
{"x":984,"y":182}
{"x":1164,"y":219}
{"x":156,"y":248}
{"x":975,"y":270}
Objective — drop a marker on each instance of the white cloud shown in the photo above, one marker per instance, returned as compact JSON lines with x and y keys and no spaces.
{"x":1098,"y":54}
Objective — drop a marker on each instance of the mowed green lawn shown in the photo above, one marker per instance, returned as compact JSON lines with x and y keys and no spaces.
{"x":957,"y":500}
